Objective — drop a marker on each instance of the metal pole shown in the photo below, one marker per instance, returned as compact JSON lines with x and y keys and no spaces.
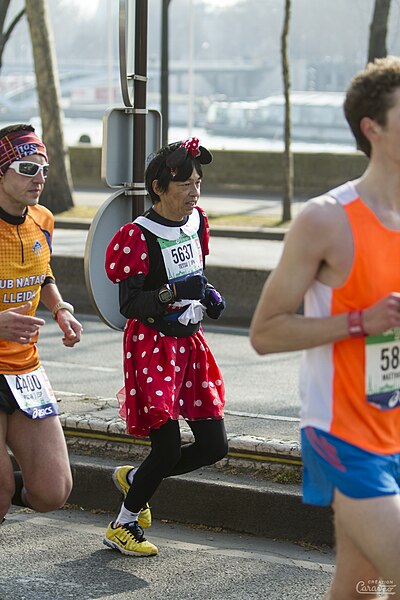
{"x":139,"y":110}
{"x":164,"y":87}
{"x":190,"y":70}
{"x":110,"y":61}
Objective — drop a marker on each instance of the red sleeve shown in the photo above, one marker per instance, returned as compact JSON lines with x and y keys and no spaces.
{"x":205,"y":238}
{"x":127,"y":254}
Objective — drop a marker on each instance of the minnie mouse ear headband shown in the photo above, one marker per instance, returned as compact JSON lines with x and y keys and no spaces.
{"x":189,"y":147}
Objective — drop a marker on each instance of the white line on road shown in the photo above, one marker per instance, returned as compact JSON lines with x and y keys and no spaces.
{"x":54,"y":363}
{"x":237,"y":413}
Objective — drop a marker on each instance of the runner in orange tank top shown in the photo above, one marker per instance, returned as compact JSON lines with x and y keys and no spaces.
{"x":341,"y":257}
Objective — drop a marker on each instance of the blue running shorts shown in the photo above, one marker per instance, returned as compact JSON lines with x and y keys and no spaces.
{"x":329,"y":463}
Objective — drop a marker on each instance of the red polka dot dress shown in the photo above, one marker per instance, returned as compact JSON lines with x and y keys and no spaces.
{"x":166,"y":377}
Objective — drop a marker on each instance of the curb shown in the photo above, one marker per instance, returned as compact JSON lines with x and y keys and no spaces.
{"x":234,"y":503}
{"x":114,"y":428}
{"x":86,"y":434}
{"x":70,"y":223}
{"x":238,"y":493}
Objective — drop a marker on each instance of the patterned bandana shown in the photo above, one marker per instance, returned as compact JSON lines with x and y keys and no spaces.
{"x":17,"y":145}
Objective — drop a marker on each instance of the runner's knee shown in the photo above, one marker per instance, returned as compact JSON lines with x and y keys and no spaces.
{"x":167,"y":460}
{"x":215,"y":451}
{"x":210,"y":440}
{"x":6,"y":494}
{"x":7,"y":489}
{"x":44,"y":498}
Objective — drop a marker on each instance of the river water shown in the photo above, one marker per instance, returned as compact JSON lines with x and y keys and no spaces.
{"x":93,"y":128}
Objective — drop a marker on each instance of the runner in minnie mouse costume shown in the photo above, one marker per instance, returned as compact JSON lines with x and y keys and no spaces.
{"x":158,"y":263}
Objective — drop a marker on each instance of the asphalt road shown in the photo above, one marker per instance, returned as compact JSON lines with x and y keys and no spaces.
{"x":259,"y":389}
{"x":60,"y":555}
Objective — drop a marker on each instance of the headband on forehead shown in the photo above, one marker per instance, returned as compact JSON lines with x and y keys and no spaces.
{"x":17,"y":145}
{"x":192,"y":147}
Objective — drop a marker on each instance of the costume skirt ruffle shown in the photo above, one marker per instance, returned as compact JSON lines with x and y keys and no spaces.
{"x":167,"y":378}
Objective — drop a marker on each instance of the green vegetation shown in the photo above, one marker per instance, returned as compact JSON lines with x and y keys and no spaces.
{"x":88,"y":212}
{"x":289,"y":475}
{"x":79,"y":212}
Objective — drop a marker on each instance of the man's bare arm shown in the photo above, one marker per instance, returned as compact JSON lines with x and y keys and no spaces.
{"x":275,"y":325}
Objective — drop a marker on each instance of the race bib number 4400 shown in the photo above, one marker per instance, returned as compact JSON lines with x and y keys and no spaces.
{"x":33,"y":393}
{"x":382,"y":369}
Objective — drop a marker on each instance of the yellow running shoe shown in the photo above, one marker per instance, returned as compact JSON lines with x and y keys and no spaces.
{"x":129,"y":539}
{"x":120,"y":479}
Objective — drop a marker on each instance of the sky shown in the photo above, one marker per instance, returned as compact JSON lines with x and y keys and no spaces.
{"x":220,"y":3}
{"x":86,"y":8}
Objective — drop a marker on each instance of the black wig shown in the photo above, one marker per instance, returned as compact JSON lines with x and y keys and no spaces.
{"x":175,"y":162}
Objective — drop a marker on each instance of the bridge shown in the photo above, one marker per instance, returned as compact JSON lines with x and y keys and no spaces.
{"x":233,"y":78}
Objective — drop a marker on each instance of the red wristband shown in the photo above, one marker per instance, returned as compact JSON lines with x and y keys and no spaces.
{"x":355,"y":324}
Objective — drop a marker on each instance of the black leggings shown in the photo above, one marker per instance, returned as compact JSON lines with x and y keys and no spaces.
{"x":168,"y":457}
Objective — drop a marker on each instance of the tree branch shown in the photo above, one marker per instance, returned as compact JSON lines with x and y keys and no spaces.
{"x":12,"y":25}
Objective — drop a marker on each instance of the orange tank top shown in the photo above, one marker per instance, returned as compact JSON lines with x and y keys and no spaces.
{"x":25,"y":245}
{"x":337,"y":380}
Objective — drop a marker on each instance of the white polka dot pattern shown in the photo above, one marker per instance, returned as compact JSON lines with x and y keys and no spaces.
{"x":127,"y":254}
{"x":165,"y":379}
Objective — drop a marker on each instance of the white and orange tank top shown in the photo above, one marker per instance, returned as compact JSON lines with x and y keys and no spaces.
{"x":351,"y":388}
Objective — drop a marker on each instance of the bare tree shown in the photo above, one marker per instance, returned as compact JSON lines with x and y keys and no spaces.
{"x":287,"y":154}
{"x":57,"y":194}
{"x":378,"y":30}
{"x":5,"y":33}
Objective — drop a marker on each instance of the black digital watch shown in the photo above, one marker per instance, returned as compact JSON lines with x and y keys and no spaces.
{"x":165,"y":294}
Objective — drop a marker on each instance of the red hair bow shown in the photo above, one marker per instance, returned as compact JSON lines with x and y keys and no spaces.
{"x":192,"y":146}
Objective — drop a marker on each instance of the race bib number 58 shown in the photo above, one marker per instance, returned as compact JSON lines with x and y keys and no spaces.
{"x":382,"y":369}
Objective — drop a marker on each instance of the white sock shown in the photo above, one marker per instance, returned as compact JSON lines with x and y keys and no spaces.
{"x":131,"y":475}
{"x":126,"y":516}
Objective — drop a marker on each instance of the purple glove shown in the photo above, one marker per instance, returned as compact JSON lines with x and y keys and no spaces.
{"x":214,"y":302}
{"x":192,"y":287}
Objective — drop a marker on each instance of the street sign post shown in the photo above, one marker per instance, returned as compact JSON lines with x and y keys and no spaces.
{"x":127,"y":49}
{"x":113,"y":213}
{"x":117,"y":154}
{"x":130,"y":134}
